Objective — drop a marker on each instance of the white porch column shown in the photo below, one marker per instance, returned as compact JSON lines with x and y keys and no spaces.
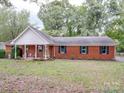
{"x":25,"y":54}
{"x":35,"y":51}
{"x":45,"y":52}
{"x":15,"y":51}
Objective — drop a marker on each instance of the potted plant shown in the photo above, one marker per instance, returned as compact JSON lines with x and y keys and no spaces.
{"x":72,"y":56}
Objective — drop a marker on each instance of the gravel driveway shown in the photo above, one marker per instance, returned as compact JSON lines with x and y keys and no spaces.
{"x":120,"y":59}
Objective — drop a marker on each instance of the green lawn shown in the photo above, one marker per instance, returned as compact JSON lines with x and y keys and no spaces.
{"x":92,"y":75}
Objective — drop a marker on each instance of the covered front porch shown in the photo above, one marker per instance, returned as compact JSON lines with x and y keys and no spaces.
{"x":33,"y":44}
{"x":41,"y":52}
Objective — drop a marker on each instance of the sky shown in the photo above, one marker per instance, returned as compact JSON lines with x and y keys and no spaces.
{"x":33,"y":9}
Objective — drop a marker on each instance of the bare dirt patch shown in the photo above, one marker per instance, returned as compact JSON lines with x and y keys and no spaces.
{"x":35,"y":84}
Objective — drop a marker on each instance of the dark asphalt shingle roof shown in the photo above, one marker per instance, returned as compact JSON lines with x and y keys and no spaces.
{"x":76,"y":41}
{"x":85,"y":41}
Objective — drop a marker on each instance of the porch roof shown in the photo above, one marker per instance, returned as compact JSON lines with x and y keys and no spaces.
{"x":31,"y":36}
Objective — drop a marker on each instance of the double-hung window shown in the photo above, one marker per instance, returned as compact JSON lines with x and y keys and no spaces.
{"x":83,"y":49}
{"x":62,"y":49}
{"x":104,"y":50}
{"x":40,"y":48}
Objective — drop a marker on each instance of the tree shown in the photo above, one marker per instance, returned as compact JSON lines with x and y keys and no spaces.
{"x":92,"y":18}
{"x":115,"y":29}
{"x":6,"y":3}
{"x":100,"y":14}
{"x":81,"y":20}
{"x":51,"y":15}
{"x":61,"y":15}
{"x":95,"y":16}
{"x":12,"y":23}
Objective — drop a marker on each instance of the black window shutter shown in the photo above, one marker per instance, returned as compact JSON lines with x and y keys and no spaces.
{"x":107,"y":49}
{"x":100,"y":50}
{"x":80,"y":49}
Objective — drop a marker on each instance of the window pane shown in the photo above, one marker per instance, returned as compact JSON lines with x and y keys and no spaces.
{"x":83,"y":49}
{"x":104,"y":49}
{"x":62,"y":49}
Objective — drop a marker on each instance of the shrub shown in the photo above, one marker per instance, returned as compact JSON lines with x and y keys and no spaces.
{"x":2,"y":53}
{"x":13,"y":52}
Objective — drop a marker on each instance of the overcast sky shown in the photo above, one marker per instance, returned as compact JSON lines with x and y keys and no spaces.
{"x":33,"y":9}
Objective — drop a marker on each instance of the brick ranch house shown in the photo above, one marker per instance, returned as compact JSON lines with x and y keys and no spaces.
{"x":35,"y":44}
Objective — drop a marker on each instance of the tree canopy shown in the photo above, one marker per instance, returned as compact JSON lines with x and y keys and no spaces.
{"x":60,"y":18}
{"x":95,"y":17}
{"x":115,"y":29}
{"x":6,"y":3}
{"x":12,"y":23}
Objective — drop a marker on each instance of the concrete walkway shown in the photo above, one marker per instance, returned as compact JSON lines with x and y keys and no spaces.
{"x":120,"y":59}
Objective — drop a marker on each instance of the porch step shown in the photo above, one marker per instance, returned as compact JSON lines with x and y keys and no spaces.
{"x":42,"y":59}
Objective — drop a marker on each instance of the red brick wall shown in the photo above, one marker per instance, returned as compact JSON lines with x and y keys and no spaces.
{"x":93,"y":53}
{"x":51,"y":51}
{"x":72,"y":52}
{"x":8,"y":50}
{"x":31,"y":50}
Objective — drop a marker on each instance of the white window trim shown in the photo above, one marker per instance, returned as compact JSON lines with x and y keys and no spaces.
{"x":105,"y":50}
{"x":40,"y":48}
{"x":62,"y":52}
{"x":84,"y":50}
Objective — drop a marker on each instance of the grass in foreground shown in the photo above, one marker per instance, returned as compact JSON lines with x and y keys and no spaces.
{"x":92,"y":75}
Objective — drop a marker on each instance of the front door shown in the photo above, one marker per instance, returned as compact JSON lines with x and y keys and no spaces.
{"x":30,"y":51}
{"x":40,"y":50}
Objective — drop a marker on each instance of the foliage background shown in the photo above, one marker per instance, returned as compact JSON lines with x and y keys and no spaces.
{"x":60,"y":18}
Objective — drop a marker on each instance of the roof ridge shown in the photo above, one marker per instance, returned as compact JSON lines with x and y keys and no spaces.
{"x":80,"y":36}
